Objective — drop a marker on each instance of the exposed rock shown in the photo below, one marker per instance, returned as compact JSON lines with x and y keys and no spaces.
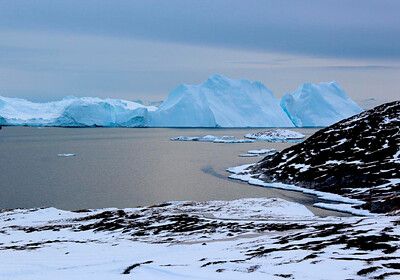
{"x":358,"y":157}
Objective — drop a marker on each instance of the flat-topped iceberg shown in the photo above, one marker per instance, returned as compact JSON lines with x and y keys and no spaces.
{"x":74,"y":112}
{"x":276,"y":135}
{"x":318,"y":105}
{"x":221,"y":102}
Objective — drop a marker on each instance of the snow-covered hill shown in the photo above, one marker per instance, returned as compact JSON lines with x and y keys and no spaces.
{"x":318,"y":105}
{"x":221,"y":102}
{"x":358,"y":158}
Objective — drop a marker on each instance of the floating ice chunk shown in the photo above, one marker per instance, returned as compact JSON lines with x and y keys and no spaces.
{"x":248,"y":155}
{"x":66,"y":155}
{"x":233,"y":140}
{"x":276,"y":135}
{"x":262,"y":151}
{"x":214,"y":139}
{"x":207,"y":138}
{"x":183,"y":138}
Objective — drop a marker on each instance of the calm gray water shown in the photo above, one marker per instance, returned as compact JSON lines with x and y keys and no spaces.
{"x":124,"y":167}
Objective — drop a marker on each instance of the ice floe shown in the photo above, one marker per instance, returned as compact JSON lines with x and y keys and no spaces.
{"x":277,"y":135}
{"x":214,"y":139}
{"x":262,"y":151}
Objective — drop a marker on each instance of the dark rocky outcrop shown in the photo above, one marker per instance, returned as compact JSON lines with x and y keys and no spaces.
{"x":358,"y":157}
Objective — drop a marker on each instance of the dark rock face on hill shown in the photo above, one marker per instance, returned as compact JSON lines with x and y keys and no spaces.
{"x":358,"y":157}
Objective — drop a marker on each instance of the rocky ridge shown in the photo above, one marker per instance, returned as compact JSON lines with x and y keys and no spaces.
{"x":358,"y":158}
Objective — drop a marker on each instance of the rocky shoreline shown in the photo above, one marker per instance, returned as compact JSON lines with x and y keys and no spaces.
{"x":358,"y":158}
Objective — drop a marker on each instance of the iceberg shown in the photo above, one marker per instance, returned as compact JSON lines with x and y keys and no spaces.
{"x":220,"y":102}
{"x":74,"y":112}
{"x":318,"y":105}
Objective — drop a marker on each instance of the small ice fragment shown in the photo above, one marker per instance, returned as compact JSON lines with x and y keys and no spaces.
{"x":214,"y":139}
{"x":66,"y":155}
{"x":262,"y":151}
{"x":248,"y":155}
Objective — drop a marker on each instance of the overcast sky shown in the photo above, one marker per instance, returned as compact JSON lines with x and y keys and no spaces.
{"x":144,"y":49}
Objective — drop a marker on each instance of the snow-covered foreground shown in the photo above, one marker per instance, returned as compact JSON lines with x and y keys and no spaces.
{"x":242,"y":239}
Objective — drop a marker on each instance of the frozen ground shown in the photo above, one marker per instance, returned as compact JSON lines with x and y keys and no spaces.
{"x":242,"y":239}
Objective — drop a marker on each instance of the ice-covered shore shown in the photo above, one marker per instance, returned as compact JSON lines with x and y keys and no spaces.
{"x":242,"y":239}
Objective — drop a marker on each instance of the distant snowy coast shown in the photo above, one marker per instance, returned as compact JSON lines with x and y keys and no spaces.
{"x":218,"y":102}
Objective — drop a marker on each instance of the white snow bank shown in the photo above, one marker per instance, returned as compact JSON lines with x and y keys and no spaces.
{"x":318,"y":105}
{"x":241,"y":173}
{"x":259,"y":208}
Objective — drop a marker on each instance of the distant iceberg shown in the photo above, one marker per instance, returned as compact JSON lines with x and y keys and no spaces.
{"x":218,"y":102}
{"x":318,"y":105}
{"x":221,"y":102}
{"x":74,"y":112}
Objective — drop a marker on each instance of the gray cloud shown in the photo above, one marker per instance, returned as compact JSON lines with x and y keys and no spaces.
{"x":340,"y":28}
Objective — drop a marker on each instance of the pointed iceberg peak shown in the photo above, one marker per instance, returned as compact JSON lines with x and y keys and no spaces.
{"x":318,"y":105}
{"x":219,"y":80}
{"x":217,"y":77}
